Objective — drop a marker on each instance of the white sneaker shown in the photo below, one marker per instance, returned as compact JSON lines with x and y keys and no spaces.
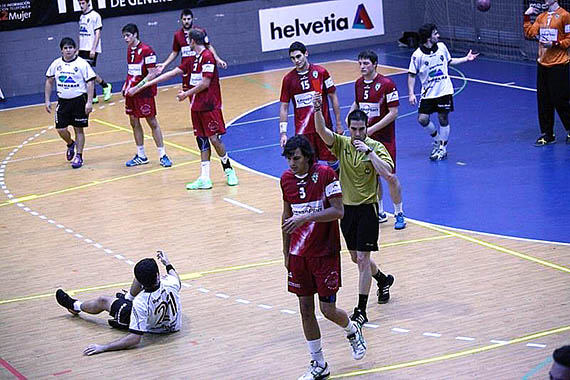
{"x":316,"y":372}
{"x":357,"y":343}
{"x":440,"y":155}
{"x":434,"y":150}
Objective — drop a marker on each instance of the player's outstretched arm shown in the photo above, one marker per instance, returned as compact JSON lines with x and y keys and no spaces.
{"x":220,"y":62}
{"x":148,"y":81}
{"x":163,"y":258}
{"x":171,"y":57}
{"x":469,"y":57}
{"x":128,"y":341}
{"x":324,"y":133}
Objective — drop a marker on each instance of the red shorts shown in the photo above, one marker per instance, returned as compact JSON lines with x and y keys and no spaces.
{"x":310,"y":275}
{"x":208,"y":123}
{"x":140,"y":107}
{"x":322,"y":153}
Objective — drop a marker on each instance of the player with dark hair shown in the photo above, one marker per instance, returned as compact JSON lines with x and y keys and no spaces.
{"x":552,"y":29}
{"x":74,"y":80}
{"x":90,"y":27}
{"x":141,"y":61}
{"x":430,"y":62}
{"x":298,"y":86}
{"x":206,"y":109}
{"x":151,"y":306}
{"x":378,"y":97}
{"x":312,"y":204}
{"x":362,"y":161}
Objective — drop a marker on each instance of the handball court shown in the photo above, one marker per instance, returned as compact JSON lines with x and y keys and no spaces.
{"x":482,"y":269}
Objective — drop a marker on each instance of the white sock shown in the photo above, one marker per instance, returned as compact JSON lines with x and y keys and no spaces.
{"x":443,"y":136}
{"x":380,"y":206}
{"x":77,"y":305}
{"x":350,"y":328}
{"x":205,"y":169}
{"x":161,"y":151}
{"x":140,"y":151}
{"x":431,"y":130}
{"x":316,"y":351}
{"x":398,"y":208}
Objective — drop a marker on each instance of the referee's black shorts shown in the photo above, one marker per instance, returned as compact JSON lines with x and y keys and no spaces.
{"x":443,"y":104}
{"x":360,"y":227}
{"x":71,"y":112}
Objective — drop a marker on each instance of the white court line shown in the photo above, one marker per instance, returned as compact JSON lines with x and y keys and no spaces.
{"x":250,"y":208}
{"x":399,"y":330}
{"x":433,"y":335}
{"x":536,"y":345}
{"x":466,"y":338}
{"x":495,"y":341}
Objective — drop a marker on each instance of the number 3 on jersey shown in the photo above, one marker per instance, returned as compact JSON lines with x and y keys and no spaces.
{"x":302,"y":193}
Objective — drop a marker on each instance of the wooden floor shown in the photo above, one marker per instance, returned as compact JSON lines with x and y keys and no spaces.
{"x":463,"y":305}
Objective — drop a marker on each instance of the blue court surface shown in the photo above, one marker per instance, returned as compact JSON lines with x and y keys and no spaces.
{"x":494,"y":180}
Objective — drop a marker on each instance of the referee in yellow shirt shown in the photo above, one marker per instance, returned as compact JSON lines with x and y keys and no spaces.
{"x":362,"y":160}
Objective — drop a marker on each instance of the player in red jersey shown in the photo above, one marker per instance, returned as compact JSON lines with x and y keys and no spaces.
{"x":206,"y":109}
{"x":378,"y":97}
{"x":141,"y":60}
{"x":181,"y":45}
{"x":312,"y":206}
{"x":298,"y":86}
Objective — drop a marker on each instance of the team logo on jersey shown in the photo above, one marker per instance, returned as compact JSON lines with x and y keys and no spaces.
{"x":377,"y":86}
{"x":435,"y":73}
{"x":315,"y":74}
{"x":426,"y":63}
{"x":58,"y":68}
{"x":441,"y":58}
{"x":315,"y":177}
{"x":75,"y":69}
{"x":367,"y":170}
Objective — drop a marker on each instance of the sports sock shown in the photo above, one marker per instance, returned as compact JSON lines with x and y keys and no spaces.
{"x":226,"y":162}
{"x":140,"y":151}
{"x":443,"y":136}
{"x":103,"y":83}
{"x":350,"y":328}
{"x":362,"y":301}
{"x":380,"y":206}
{"x":161,"y":151}
{"x":316,"y":351}
{"x":77,"y":305}
{"x":205,"y":169}
{"x":397,"y":208}
{"x":432,"y":130}
{"x":379,"y":276}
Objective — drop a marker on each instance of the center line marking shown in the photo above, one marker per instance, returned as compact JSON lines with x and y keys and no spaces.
{"x":243,"y":205}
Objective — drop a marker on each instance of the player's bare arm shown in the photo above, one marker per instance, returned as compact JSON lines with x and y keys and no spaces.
{"x":90,"y":88}
{"x":283,"y":109}
{"x":220,"y":62}
{"x":385,"y":121}
{"x":161,"y":78}
{"x":47,"y":93}
{"x":411,"y":83}
{"x":171,"y":57}
{"x":382,"y":167}
{"x":203,"y":85}
{"x":128,"y":341}
{"x":95,"y":43}
{"x":163,"y":258}
{"x":286,"y":214}
{"x":336,"y":109}
{"x":324,"y":133}
{"x":469,"y":57}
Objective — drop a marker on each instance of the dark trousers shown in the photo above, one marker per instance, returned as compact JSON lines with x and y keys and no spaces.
{"x":553,"y":92}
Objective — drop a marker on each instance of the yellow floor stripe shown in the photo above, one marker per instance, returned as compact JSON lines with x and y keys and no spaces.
{"x":453,"y":355}
{"x":24,"y":130}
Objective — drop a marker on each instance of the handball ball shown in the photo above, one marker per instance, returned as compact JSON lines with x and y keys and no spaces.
{"x":483,"y":5}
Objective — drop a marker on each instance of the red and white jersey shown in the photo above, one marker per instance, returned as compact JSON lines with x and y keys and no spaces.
{"x":311,"y":194}
{"x":158,"y":311}
{"x":374,"y":97}
{"x":181,"y":43}
{"x":299,"y":88}
{"x":139,"y":60}
{"x":204,"y":65}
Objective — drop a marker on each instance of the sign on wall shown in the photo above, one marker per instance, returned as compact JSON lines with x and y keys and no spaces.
{"x":19,"y":14}
{"x":321,"y":22}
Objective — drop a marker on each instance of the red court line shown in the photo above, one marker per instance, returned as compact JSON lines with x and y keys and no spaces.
{"x":12,"y":370}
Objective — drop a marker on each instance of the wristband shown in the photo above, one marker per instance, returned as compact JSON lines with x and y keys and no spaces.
{"x":283,"y":127}
{"x":170,"y":267}
{"x":141,"y":83}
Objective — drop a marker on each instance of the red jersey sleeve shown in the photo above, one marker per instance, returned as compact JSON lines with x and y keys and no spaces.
{"x":208,"y":64}
{"x":392,"y":97}
{"x":328,"y":81}
{"x":332,"y":183}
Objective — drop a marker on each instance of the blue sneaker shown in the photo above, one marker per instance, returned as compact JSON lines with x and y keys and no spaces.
{"x":400,"y":223}
{"x":165,"y":161}
{"x":136,"y":161}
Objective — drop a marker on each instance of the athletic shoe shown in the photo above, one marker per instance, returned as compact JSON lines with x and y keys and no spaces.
{"x":199,"y":184}
{"x":70,"y":151}
{"x":316,"y":372}
{"x":384,"y":290}
{"x":357,"y":343}
{"x":165,"y":161}
{"x":65,"y":300}
{"x":95,"y":99}
{"x":136,"y":161}
{"x":400,"y":223}
{"x":231,"y":176}
{"x":359,"y":316}
{"x":434,"y":150}
{"x":545,"y":140}
{"x":439,"y":156}
{"x":77,"y":162}
{"x":382,"y":217}
{"x":107,"y":92}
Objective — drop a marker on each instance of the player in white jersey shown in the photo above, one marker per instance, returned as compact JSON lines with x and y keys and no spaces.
{"x":430,"y":62}
{"x":90,"y":27}
{"x":151,"y":306}
{"x":74,"y":79}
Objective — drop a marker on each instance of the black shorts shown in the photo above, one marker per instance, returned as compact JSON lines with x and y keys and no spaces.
{"x":71,"y":112}
{"x":443,"y":104}
{"x":360,"y":227}
{"x":121,"y":313}
{"x":85,"y":55}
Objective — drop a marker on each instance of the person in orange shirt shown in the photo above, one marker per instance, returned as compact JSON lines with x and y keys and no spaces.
{"x":552,"y":30}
